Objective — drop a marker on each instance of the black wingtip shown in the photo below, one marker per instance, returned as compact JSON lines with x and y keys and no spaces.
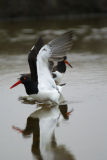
{"x":39,"y":44}
{"x":35,"y":49}
{"x":33,"y":56}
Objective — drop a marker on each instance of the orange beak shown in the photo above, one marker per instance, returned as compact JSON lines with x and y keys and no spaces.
{"x":17,"y":83}
{"x":66,"y":62}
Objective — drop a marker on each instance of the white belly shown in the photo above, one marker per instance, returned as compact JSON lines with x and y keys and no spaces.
{"x":47,"y":95}
{"x":58,"y":77}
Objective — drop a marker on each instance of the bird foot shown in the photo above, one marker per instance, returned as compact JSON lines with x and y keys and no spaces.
{"x":69,"y":113}
{"x":17,"y":129}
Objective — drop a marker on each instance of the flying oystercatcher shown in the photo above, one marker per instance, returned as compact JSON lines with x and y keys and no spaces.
{"x":42,"y":86}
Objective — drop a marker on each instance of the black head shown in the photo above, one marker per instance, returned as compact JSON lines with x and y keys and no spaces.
{"x":61,"y":67}
{"x":31,"y":87}
{"x":25,"y":79}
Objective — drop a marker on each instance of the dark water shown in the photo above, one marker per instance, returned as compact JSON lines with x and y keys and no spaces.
{"x":49,"y":132}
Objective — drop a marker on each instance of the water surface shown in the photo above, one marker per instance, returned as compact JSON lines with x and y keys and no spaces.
{"x":80,"y":136}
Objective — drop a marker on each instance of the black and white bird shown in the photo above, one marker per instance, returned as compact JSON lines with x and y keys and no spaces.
{"x":42,"y":124}
{"x":43,"y":87}
{"x":60,"y":69}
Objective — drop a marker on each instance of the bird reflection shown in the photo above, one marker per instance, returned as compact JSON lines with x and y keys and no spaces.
{"x":42,"y":124}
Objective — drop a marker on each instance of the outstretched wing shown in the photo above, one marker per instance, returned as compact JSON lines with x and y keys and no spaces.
{"x":61,"y":45}
{"x":32,"y":58}
{"x":55,"y":48}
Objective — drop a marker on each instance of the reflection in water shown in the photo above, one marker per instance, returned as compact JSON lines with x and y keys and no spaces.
{"x":42,"y":124}
{"x":24,"y":100}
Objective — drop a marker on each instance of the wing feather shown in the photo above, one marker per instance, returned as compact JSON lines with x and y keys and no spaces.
{"x":61,"y":45}
{"x":32,"y":58}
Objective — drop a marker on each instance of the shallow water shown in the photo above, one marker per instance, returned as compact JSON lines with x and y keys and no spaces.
{"x":81,"y":136}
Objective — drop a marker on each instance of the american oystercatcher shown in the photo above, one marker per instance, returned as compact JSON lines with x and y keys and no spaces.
{"x":59,"y":70}
{"x":42,"y":86}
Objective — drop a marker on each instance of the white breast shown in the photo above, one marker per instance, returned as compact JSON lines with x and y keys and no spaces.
{"x":45,"y":79}
{"x":47,"y":87}
{"x":58,"y":77}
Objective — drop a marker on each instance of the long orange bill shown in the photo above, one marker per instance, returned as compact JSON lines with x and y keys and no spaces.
{"x":66,"y":62}
{"x":17,"y":83}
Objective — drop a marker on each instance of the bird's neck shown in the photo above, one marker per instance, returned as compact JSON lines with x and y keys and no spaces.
{"x":31,"y":87}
